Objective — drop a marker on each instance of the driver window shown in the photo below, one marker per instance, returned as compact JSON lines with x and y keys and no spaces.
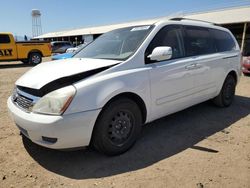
{"x":167,"y":36}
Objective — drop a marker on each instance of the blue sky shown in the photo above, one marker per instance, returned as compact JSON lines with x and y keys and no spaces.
{"x":63,"y":15}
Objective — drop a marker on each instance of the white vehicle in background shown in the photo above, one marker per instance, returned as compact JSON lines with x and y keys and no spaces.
{"x":124,"y":79}
{"x":71,"y":50}
{"x":59,"y":47}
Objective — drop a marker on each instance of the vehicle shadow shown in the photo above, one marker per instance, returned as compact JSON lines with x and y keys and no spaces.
{"x":19,"y":65}
{"x":159,"y":140}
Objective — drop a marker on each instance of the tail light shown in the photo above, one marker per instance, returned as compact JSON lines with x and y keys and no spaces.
{"x":49,"y":45}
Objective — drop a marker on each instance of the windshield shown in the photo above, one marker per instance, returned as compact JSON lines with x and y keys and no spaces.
{"x":119,"y":44}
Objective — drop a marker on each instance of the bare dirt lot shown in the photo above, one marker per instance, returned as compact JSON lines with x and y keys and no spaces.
{"x":202,"y":146}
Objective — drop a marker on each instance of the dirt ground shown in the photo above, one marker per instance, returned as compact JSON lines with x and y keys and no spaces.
{"x":203,"y":146}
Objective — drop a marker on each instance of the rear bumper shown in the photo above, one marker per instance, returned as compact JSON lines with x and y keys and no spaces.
{"x":57,"y":132}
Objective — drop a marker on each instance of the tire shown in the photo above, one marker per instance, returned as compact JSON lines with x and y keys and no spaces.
{"x":117,"y":127}
{"x":35,"y":58}
{"x":227,"y":93}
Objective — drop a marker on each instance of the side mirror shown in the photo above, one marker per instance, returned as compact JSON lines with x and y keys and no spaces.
{"x":161,"y":53}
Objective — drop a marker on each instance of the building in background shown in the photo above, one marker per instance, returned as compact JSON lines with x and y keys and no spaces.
{"x":236,"y":19}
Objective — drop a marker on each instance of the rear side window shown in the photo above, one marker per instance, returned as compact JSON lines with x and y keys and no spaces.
{"x":4,"y":39}
{"x":224,"y":41}
{"x":198,"y":41}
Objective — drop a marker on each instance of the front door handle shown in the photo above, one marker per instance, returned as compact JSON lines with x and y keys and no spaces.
{"x":193,"y":66}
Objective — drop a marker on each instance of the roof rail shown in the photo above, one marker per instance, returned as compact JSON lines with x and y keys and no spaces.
{"x":189,"y":19}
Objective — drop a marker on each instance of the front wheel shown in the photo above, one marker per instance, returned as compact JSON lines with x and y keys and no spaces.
{"x":35,"y":58}
{"x":117,"y":127}
{"x":227,"y":93}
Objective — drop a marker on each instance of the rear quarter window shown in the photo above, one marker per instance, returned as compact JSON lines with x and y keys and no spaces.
{"x":223,"y":40}
{"x":4,"y":39}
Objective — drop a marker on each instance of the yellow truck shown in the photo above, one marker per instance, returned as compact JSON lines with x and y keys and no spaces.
{"x":26,"y":51}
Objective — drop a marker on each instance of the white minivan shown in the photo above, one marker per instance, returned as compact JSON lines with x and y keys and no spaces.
{"x":124,"y":79}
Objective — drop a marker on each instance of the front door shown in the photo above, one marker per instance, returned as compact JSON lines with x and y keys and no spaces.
{"x":172,"y":81}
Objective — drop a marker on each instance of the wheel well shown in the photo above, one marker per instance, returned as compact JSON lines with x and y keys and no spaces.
{"x":137,"y":99}
{"x":233,"y":73}
{"x":35,"y":51}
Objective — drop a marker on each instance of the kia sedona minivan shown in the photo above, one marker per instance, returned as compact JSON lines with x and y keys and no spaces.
{"x":124,"y":79}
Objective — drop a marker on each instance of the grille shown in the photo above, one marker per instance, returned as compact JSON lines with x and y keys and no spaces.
{"x":22,"y":102}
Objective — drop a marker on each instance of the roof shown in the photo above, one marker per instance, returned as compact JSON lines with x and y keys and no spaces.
{"x":226,"y":16}
{"x":222,"y":16}
{"x":5,"y":33}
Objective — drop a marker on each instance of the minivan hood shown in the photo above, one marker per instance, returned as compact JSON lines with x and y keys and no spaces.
{"x":47,"y":72}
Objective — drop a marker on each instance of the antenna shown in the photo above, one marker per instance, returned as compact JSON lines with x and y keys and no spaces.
{"x":36,"y":22}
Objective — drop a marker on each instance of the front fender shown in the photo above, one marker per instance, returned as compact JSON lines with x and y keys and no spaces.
{"x":94,"y":93}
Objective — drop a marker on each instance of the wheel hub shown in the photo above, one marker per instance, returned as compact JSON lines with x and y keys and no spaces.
{"x":120,"y":128}
{"x":35,"y":59}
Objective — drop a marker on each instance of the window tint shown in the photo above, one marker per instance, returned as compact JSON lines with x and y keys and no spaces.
{"x":224,"y":41}
{"x":4,"y":39}
{"x":167,"y":36}
{"x":198,"y":41}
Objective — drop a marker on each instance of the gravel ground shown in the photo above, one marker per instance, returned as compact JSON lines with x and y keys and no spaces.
{"x":202,"y":146}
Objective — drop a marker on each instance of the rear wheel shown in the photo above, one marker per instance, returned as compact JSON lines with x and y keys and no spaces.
{"x":35,"y":58}
{"x":227,"y":93}
{"x":117,"y":127}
